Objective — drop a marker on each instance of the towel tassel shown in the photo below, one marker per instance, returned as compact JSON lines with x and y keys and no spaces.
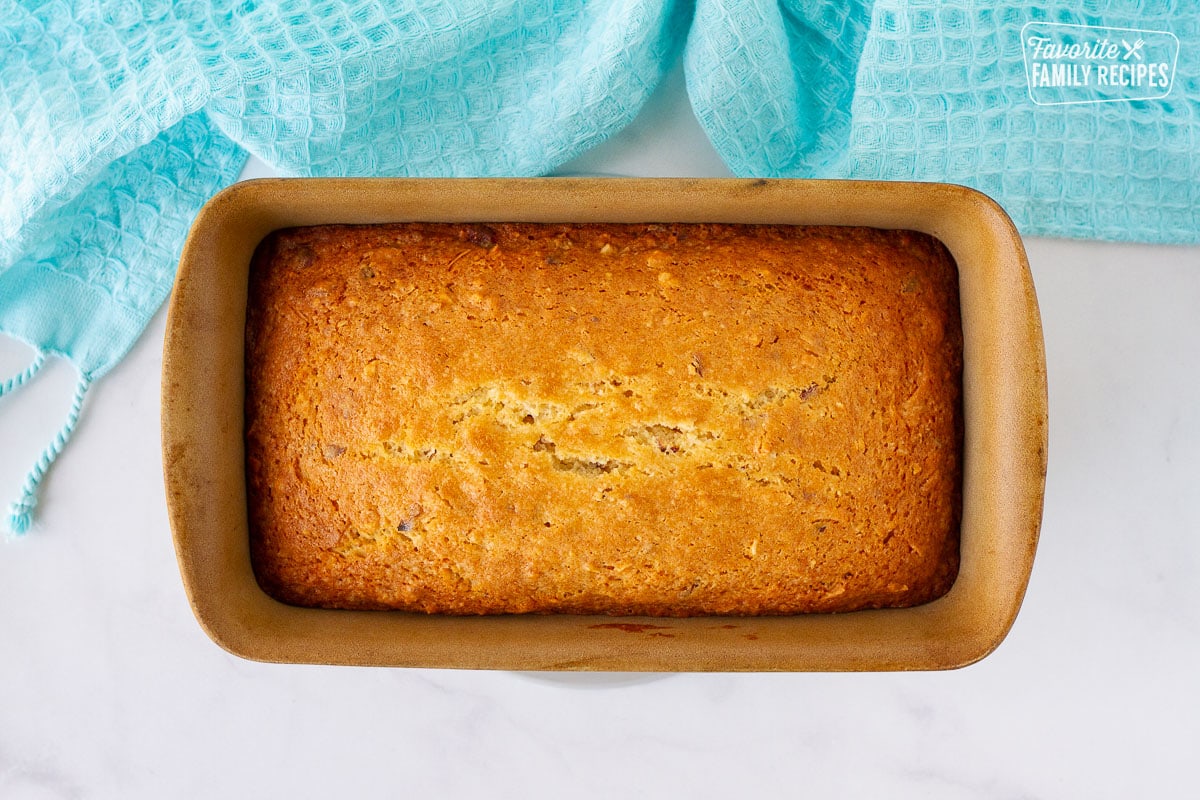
{"x":21,"y":512}
{"x":16,"y":380}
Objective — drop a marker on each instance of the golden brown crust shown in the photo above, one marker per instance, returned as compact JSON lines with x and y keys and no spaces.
{"x":665,"y":419}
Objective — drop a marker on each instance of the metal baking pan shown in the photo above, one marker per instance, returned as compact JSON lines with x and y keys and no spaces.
{"x":1004,"y":418}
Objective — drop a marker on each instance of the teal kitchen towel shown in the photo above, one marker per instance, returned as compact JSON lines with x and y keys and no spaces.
{"x":118,"y":119}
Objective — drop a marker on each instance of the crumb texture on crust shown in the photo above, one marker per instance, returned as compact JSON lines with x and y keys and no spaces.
{"x":670,"y":419}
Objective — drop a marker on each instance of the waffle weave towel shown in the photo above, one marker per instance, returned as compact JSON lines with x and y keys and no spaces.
{"x":118,"y":119}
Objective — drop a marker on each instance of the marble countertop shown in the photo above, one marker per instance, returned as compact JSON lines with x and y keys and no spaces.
{"x":109,"y":689}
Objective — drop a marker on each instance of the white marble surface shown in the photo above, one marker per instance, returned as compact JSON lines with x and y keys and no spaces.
{"x":109,"y":689}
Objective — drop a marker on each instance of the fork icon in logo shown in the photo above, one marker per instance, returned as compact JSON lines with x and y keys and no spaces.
{"x":1131,"y":50}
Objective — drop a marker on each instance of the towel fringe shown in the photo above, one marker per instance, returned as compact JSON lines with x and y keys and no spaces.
{"x":39,"y":359}
{"x":21,"y":512}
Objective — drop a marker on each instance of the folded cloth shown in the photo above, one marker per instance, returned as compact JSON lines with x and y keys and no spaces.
{"x":118,"y":119}
{"x":941,"y":91}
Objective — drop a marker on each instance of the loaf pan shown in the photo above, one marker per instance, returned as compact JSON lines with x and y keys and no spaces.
{"x":1004,"y":418}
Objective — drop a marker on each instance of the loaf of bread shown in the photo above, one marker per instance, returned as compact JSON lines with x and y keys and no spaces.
{"x":641,"y":419}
